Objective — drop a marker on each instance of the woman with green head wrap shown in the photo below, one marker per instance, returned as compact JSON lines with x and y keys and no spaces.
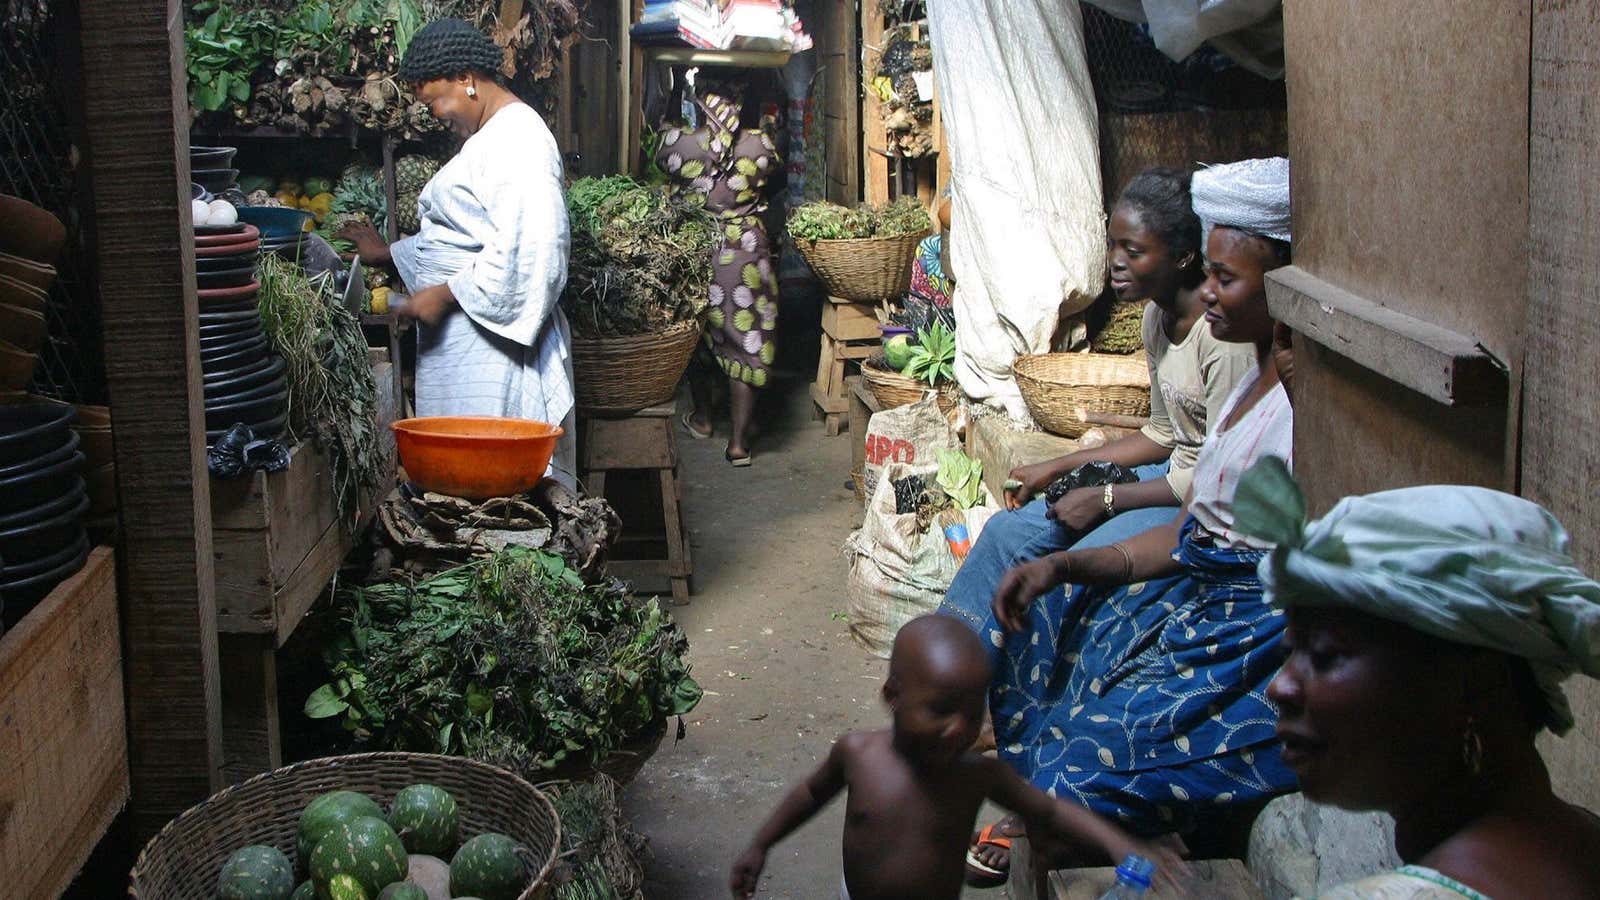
{"x":1430,"y":630}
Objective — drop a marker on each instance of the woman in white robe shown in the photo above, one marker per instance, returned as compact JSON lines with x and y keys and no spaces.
{"x":486,"y":269}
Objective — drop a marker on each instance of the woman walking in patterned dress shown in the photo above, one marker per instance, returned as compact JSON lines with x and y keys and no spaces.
{"x":725,"y":168}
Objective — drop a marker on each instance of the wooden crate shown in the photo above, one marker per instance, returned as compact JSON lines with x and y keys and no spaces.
{"x":276,"y":539}
{"x":62,"y":731}
{"x":277,"y":542}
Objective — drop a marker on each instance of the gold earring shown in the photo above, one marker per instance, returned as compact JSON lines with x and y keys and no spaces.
{"x":472,"y":91}
{"x":1472,"y":747}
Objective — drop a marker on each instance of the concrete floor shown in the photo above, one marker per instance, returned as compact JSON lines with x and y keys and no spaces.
{"x":771,"y":646}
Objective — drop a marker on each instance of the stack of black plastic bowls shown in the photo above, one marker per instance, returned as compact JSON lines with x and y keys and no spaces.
{"x":43,"y":502}
{"x":244,"y":380}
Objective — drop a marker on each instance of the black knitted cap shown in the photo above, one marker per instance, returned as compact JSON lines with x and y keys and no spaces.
{"x":445,"y":48}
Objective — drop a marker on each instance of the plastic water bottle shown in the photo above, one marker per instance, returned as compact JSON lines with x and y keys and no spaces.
{"x":1133,"y":879}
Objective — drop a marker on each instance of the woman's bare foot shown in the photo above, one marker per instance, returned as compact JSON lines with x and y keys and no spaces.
{"x":698,"y":424}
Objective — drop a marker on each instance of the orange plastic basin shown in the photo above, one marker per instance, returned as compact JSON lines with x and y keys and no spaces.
{"x":476,"y":457}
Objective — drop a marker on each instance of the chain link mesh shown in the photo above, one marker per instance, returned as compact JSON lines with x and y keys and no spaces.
{"x":1157,"y":112}
{"x":40,"y":130}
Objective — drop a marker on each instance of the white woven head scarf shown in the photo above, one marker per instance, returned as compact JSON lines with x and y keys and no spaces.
{"x":1252,"y":196}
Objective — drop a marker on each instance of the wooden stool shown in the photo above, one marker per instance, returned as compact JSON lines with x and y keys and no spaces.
{"x":645,"y":440}
{"x":849,"y":334}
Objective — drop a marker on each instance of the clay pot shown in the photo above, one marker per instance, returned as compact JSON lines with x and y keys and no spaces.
{"x":28,"y":231}
{"x":16,"y":366}
{"x":17,"y":293}
{"x":33,"y":274}
{"x":24,"y":328}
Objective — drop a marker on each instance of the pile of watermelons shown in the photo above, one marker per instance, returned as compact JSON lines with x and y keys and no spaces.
{"x":348,"y":849}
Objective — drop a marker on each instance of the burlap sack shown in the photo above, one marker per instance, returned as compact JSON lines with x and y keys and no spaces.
{"x":897,"y":572}
{"x":906,"y":435}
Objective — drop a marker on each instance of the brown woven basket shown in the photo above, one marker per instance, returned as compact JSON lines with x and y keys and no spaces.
{"x":893,"y":389}
{"x":864,"y":269}
{"x":183,"y":861}
{"x":622,"y":375}
{"x":858,"y":483}
{"x":621,"y":765}
{"x":1057,"y":385}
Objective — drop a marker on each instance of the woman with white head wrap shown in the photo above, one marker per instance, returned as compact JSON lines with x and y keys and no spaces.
{"x":1431,"y":629}
{"x":1132,"y":677}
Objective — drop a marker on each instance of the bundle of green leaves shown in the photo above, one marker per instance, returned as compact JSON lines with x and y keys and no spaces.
{"x":510,"y":659}
{"x":933,"y":356}
{"x":333,"y":398}
{"x":831,"y":222}
{"x":640,"y":260}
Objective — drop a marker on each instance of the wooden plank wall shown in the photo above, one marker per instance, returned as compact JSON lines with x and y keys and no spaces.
{"x":137,"y":116}
{"x":586,"y":122}
{"x":1560,"y":419}
{"x":833,"y":26}
{"x":1409,"y":167}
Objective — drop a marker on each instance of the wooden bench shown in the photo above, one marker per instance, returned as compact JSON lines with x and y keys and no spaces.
{"x":646,"y":440}
{"x":1211,"y":879}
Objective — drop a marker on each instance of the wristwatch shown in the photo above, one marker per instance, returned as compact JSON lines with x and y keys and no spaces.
{"x":1110,"y":500}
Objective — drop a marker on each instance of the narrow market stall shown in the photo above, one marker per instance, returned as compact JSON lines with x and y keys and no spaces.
{"x":251,"y":492}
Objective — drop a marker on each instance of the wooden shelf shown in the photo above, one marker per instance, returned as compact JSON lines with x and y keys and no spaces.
{"x":1448,"y":367}
{"x":65,"y":741}
{"x":691,"y":56}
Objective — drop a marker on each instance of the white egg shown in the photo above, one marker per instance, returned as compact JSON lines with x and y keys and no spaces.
{"x":201,"y":210}
{"x":222,"y":213}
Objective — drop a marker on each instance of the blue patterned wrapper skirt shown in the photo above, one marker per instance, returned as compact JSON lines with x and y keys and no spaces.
{"x":1146,"y":702}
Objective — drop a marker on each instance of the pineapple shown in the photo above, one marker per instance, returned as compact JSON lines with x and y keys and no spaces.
{"x":360,"y":193}
{"x":411,"y":173}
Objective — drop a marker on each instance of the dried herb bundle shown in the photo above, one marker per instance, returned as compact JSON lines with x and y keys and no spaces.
{"x":314,"y":66}
{"x":510,"y":659}
{"x":641,"y":259}
{"x":332,"y":396}
{"x":830,"y":222}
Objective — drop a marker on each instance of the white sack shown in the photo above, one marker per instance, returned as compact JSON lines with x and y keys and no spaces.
{"x":1250,"y":32}
{"x":1027,"y":242}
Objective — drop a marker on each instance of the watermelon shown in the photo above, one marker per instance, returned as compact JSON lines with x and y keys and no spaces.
{"x":306,"y":891}
{"x":366,"y":848}
{"x":426,"y":819}
{"x":488,"y":866}
{"x":327,"y":811}
{"x":897,"y":352}
{"x":345,"y":886}
{"x":431,"y":874}
{"x":402,"y":890}
{"x":256,"y":872}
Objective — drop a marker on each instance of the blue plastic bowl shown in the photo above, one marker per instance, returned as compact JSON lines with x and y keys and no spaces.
{"x":275,"y":221}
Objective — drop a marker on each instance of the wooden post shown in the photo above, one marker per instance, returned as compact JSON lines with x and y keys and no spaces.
{"x":134,"y":92}
{"x":838,"y":63}
{"x":874,"y":140}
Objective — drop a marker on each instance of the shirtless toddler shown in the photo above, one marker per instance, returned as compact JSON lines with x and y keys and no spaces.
{"x":915,"y":788}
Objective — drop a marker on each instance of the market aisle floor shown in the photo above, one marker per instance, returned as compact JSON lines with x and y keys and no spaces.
{"x":771,"y":647}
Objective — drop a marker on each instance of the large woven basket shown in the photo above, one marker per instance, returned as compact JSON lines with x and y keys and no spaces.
{"x":864,"y":269}
{"x":617,"y":376}
{"x":620,"y":765}
{"x":893,"y":389}
{"x":183,"y":861}
{"x":1056,"y":386}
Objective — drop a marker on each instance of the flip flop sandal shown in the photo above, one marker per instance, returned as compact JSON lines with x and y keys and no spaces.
{"x":981,"y":875}
{"x":738,"y":462}
{"x":697,"y":434}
